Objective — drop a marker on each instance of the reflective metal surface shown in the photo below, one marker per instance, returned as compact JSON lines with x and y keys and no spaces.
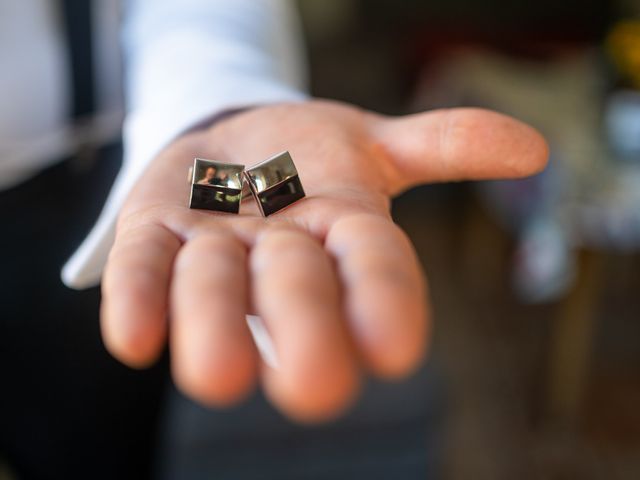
{"x":275,"y":183}
{"x":216,"y":186}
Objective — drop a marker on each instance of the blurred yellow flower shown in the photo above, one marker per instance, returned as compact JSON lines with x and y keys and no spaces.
{"x":623,"y":44}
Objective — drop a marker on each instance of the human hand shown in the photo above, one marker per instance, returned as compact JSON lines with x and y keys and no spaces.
{"x":336,"y":282}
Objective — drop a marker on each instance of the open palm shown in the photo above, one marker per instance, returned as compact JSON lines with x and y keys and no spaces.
{"x":336,"y":282}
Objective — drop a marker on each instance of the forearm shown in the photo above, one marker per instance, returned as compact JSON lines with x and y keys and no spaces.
{"x":187,"y":62}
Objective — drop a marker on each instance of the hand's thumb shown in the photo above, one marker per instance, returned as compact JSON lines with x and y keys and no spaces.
{"x":458,"y":144}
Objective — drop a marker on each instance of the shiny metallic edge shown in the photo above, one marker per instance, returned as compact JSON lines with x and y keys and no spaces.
{"x":257,"y":165}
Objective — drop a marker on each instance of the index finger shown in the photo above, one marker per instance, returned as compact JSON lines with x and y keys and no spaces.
{"x":384,"y":292}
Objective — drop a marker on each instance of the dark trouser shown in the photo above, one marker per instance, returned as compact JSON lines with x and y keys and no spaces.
{"x":393,"y":432}
{"x":67,"y":409}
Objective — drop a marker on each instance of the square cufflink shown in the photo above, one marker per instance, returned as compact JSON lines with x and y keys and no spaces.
{"x":275,"y":183}
{"x":216,"y":186}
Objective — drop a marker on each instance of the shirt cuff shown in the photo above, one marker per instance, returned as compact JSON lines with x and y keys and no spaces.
{"x":145,"y":135}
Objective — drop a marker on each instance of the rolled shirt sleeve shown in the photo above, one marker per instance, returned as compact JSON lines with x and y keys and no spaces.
{"x":186,"y":62}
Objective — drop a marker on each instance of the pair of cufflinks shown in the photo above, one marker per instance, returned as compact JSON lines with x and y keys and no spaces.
{"x":221,"y":187}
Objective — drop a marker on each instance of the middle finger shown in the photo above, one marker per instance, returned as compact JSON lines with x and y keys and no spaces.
{"x":296,"y":292}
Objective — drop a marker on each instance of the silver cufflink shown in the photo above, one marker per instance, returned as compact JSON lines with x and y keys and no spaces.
{"x":218,"y":186}
{"x":275,"y":183}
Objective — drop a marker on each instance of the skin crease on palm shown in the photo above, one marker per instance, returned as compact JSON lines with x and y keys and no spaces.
{"x":336,"y":282}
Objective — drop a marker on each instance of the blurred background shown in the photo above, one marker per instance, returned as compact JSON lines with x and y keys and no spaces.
{"x":535,"y":283}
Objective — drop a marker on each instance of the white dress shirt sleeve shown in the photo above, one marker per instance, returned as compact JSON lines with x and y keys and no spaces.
{"x":186,"y":62}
